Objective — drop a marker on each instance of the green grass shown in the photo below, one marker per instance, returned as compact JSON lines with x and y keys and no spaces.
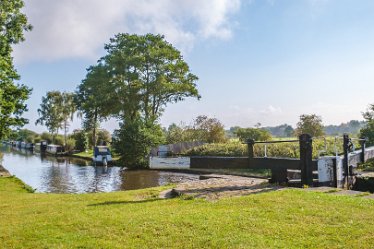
{"x":137,"y":219}
{"x":89,"y":155}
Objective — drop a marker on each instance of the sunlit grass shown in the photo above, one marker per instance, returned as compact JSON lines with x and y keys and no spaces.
{"x":138,"y":219}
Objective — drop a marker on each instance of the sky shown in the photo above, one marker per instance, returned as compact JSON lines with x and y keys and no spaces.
{"x":258,"y":61}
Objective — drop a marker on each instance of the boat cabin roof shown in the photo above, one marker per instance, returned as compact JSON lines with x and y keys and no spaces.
{"x":101,"y":150}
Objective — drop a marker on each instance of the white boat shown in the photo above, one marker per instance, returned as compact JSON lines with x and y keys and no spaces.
{"x":102,"y":155}
{"x":55,"y":149}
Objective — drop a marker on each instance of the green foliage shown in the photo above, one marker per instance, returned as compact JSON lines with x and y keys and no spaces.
{"x":283,"y":130}
{"x":12,"y":96}
{"x":310,"y":124}
{"x":26,"y":135}
{"x":147,"y":73}
{"x":256,"y":134}
{"x":55,"y":112}
{"x":102,"y":137}
{"x":176,"y":134}
{"x":291,"y":150}
{"x":368,"y":165}
{"x":352,"y":127}
{"x":81,"y":140}
{"x":204,"y":129}
{"x":70,"y":144}
{"x":59,"y":140}
{"x":94,"y":99}
{"x":45,"y":136}
{"x":134,"y":140}
{"x":232,"y":148}
{"x":134,"y":82}
{"x":368,"y":130}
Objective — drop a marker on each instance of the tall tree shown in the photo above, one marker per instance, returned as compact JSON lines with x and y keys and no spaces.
{"x":310,"y":124}
{"x":68,"y":109}
{"x":55,"y":112}
{"x":145,"y":73}
{"x":12,"y":96}
{"x":94,"y":98}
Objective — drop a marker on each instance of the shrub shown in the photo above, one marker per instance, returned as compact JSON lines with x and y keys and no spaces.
{"x":256,"y":134}
{"x":134,"y":140}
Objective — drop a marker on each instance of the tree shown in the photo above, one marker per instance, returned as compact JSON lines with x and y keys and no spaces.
{"x":26,"y":135}
{"x":67,"y":111}
{"x":175,"y":134}
{"x":256,"y":134}
{"x":368,"y":130}
{"x":94,"y":98}
{"x":310,"y":124}
{"x":55,"y":112}
{"x":209,"y":130}
{"x":12,"y":96}
{"x":145,"y":73}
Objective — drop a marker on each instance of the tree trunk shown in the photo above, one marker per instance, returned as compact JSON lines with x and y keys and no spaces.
{"x":94,"y":130}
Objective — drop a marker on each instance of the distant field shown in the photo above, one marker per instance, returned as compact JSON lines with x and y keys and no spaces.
{"x":137,"y":219}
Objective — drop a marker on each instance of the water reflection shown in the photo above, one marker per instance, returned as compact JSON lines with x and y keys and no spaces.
{"x":73,"y":175}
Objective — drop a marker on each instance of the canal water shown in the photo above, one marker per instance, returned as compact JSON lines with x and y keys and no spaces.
{"x":49,"y":174}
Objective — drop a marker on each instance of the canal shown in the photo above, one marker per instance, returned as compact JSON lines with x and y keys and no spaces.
{"x":49,"y":174}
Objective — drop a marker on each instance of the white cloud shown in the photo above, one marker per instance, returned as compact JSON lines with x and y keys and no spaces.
{"x":271,"y":110}
{"x":79,"y":28}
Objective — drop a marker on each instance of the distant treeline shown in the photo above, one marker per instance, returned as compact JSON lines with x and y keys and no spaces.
{"x":285,"y":130}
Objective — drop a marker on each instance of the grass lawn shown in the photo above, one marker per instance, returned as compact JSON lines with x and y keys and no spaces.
{"x":89,"y":155}
{"x":137,"y":219}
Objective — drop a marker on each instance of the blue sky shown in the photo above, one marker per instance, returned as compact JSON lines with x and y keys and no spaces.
{"x":263,"y":61}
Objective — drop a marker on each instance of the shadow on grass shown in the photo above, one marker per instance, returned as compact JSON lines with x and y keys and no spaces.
{"x":123,"y":202}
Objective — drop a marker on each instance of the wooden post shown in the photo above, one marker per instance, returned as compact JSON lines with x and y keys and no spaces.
{"x":363,"y":147}
{"x":306,"y":150}
{"x":250,"y":143}
{"x":346,"y":153}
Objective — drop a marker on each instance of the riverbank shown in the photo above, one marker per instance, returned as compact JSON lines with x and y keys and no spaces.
{"x":139,"y":219}
{"x":4,"y":172}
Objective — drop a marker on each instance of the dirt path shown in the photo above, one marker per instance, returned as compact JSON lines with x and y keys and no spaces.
{"x":215,"y":186}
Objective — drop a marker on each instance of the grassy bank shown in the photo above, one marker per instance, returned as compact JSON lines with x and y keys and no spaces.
{"x":137,"y":219}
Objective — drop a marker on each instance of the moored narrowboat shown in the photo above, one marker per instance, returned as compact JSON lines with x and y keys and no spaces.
{"x":41,"y":147}
{"x":55,"y":149}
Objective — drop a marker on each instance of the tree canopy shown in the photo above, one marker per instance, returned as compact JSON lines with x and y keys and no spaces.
{"x":134,"y":82}
{"x":55,"y":111}
{"x":13,"y":23}
{"x":146,"y":73}
{"x":368,"y":130}
{"x":310,"y":124}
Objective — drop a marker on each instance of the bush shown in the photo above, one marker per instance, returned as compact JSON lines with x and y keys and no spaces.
{"x":70,"y":144}
{"x":256,"y":134}
{"x":134,"y":140}
{"x":291,"y":150}
{"x":81,"y":140}
{"x":368,"y":132}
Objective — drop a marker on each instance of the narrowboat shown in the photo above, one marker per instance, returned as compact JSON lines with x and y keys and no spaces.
{"x":55,"y":149}
{"x":29,"y":146}
{"x":102,"y":155}
{"x":41,"y":147}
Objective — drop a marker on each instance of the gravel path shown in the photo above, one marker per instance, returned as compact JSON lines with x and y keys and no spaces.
{"x":215,"y":186}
